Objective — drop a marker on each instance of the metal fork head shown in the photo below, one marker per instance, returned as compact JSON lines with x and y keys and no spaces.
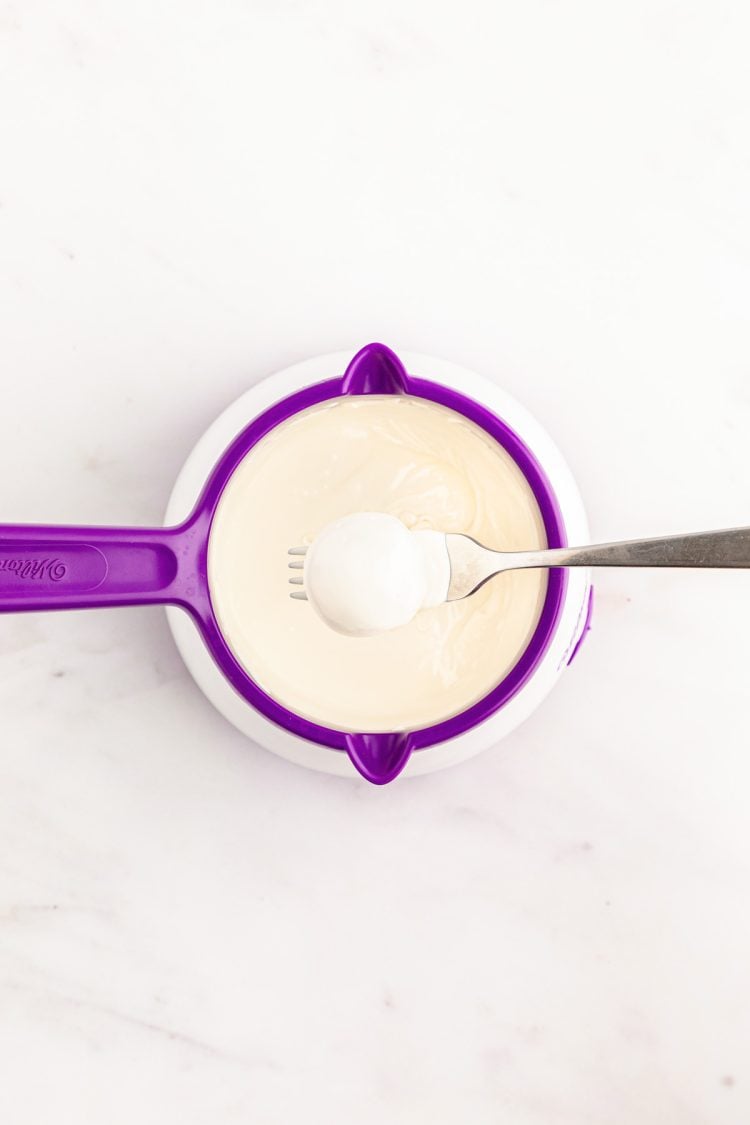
{"x":297,"y":562}
{"x":471,"y":565}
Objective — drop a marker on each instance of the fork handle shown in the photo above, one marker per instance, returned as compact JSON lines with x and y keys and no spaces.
{"x":730,"y":548}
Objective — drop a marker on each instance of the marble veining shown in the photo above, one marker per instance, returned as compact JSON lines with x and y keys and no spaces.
{"x":556,"y":933}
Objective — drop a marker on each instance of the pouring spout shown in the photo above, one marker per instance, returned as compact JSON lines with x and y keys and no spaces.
{"x":379,"y":757}
{"x":375,"y":370}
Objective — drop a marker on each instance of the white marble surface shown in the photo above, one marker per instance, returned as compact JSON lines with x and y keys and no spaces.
{"x":193,"y":195}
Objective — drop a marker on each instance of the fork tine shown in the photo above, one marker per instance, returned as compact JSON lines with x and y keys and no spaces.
{"x":297,"y":563}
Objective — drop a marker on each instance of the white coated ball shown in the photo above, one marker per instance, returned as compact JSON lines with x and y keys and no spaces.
{"x":364,"y":574}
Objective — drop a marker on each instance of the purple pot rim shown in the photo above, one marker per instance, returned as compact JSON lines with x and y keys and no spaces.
{"x":455,"y":725}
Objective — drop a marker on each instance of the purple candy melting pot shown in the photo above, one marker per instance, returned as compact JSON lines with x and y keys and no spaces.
{"x":49,"y":568}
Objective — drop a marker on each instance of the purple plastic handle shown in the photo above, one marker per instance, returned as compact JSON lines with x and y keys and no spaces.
{"x":48,"y":568}
{"x":45,"y":568}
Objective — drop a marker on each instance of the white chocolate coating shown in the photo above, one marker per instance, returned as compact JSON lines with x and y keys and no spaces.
{"x":367,"y":573}
{"x":432,"y":469}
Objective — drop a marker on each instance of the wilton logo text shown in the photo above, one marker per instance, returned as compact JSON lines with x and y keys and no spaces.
{"x":34,"y":568}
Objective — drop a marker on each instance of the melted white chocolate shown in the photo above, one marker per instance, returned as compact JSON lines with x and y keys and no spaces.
{"x":431,"y":468}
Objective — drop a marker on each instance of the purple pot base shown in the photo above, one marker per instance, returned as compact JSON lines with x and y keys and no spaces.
{"x":49,"y":568}
{"x":586,"y":627}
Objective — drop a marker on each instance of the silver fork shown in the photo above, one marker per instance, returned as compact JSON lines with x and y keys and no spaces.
{"x":472,"y":564}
